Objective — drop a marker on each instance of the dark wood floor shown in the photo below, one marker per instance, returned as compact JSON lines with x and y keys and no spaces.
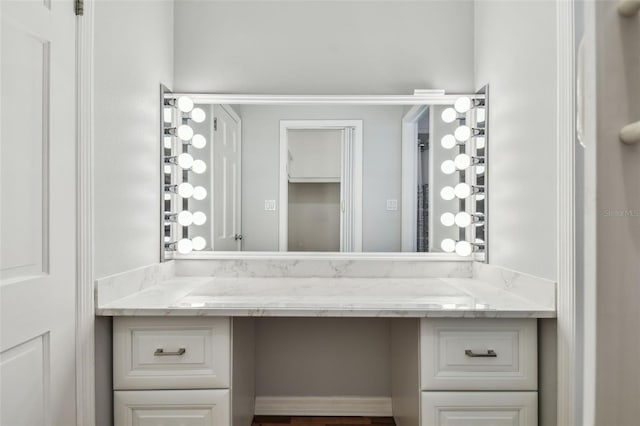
{"x":321,"y":421}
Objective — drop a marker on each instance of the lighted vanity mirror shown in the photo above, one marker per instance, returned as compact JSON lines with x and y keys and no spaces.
{"x":325,"y":174}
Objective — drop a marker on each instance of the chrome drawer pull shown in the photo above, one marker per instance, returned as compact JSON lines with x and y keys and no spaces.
{"x":490,"y":354}
{"x":161,"y":352}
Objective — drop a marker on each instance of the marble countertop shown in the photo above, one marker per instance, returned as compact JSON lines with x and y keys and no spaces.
{"x":327,"y":297}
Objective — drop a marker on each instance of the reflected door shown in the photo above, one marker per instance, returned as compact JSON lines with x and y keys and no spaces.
{"x":37,"y":213}
{"x":227,"y":231}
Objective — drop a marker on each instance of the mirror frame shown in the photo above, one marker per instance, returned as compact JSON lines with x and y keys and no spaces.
{"x":418,"y":98}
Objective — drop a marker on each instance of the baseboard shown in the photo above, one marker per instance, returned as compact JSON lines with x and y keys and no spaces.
{"x":323,"y":406}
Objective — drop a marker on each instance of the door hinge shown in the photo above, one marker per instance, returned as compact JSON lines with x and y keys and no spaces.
{"x":215,"y":124}
{"x":79,"y":6}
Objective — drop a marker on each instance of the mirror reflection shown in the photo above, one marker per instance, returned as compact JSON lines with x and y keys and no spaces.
{"x":325,"y":178}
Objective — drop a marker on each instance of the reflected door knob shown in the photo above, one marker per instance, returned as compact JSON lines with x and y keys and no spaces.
{"x":237,"y":237}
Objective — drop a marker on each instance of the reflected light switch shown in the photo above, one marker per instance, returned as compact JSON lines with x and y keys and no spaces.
{"x":270,"y":205}
{"x":392,"y":205}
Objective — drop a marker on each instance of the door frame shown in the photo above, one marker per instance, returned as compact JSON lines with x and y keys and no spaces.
{"x":85,"y":309}
{"x":356,"y":172}
{"x":410,"y":177}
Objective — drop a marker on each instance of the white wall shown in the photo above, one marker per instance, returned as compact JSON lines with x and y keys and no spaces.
{"x":314,"y":217}
{"x":515,"y":53}
{"x":617,"y":198}
{"x":261,"y":172}
{"x":323,"y":47}
{"x":133,"y":55}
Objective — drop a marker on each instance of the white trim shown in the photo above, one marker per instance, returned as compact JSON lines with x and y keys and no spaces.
{"x":566,"y":214}
{"x":85,"y":312}
{"x":237,"y":99}
{"x":323,"y":406}
{"x":283,"y":195}
{"x":262,"y":255}
{"x":410,"y":177}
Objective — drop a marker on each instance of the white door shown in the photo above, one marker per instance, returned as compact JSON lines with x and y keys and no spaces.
{"x":37,"y":213}
{"x":227,"y":230}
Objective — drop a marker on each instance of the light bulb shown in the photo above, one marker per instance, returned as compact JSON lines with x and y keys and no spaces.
{"x":198,"y":141}
{"x":185,"y":132}
{"x":480,"y":170}
{"x":481,"y":115}
{"x":185,"y":104}
{"x":447,"y":219}
{"x":167,"y":142}
{"x":448,"y":167}
{"x":480,"y":143}
{"x":480,"y":197}
{"x":185,"y":190}
{"x":449,"y":115}
{"x":464,"y":248}
{"x":199,"y":218}
{"x":167,"y":169}
{"x":198,"y":115}
{"x":185,"y":161}
{"x":463,"y":219}
{"x":463,"y":133}
{"x":479,"y":241}
{"x":168,"y":115}
{"x":199,"y":193}
{"x":447,"y":193}
{"x":462,"y":190}
{"x":184,"y":246}
{"x":185,"y":218}
{"x":448,"y":245}
{"x":199,"y":167}
{"x":462,"y":161}
{"x":448,"y":142}
{"x":463,"y":104}
{"x":199,"y":243}
{"x":167,"y":196}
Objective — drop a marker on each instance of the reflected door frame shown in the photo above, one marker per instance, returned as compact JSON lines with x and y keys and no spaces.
{"x":351,"y":235}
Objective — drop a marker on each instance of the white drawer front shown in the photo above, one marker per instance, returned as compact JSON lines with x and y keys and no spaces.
{"x":479,"y":408}
{"x":172,"y":408}
{"x":171,"y":353}
{"x":479,"y":354}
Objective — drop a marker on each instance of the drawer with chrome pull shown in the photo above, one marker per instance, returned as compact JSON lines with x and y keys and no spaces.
{"x":479,"y":354}
{"x":171,"y":353}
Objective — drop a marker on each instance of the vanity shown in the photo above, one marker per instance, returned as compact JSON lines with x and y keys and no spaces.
{"x":463,"y":349}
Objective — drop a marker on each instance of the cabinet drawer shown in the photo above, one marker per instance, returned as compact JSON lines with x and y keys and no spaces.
{"x":479,"y":408}
{"x":479,"y":354}
{"x":172,"y":408}
{"x":171,"y":353}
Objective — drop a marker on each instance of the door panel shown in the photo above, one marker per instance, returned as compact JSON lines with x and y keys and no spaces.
{"x":226,"y":180}
{"x":25,"y":136}
{"x":25,"y":373}
{"x":37,"y":212}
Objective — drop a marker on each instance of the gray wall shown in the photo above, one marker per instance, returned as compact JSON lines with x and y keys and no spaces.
{"x":381,"y":170}
{"x":515,"y":45}
{"x":617,"y":195}
{"x":314,"y":217}
{"x":323,"y":47}
{"x":133,"y":55}
{"x":321,"y":357}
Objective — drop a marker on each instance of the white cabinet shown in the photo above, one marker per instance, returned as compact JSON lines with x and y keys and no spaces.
{"x":177,"y":371}
{"x":472,"y":372}
{"x":487,"y":355}
{"x":479,"y":409}
{"x":172,"y":408}
{"x":177,"y":353}
{"x":479,"y":354}
{"x":314,"y":155}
